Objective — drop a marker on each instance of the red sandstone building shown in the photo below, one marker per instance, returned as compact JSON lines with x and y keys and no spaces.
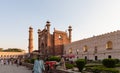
{"x":52,"y":44}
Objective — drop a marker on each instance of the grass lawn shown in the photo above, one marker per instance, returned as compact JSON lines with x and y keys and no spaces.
{"x":118,"y":68}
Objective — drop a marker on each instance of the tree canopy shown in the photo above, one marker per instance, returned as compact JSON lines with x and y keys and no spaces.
{"x":12,"y":50}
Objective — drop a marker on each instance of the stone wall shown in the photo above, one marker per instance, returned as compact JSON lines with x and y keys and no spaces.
{"x":97,"y":46}
{"x":5,"y":55}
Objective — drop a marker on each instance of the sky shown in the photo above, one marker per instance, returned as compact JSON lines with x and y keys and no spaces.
{"x":87,"y":18}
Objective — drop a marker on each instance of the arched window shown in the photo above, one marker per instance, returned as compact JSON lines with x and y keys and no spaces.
{"x":70,"y":50}
{"x":95,"y":49}
{"x":85,"y":48}
{"x":42,"y":46}
{"x":109,"y":45}
{"x":77,"y":50}
{"x":60,"y":37}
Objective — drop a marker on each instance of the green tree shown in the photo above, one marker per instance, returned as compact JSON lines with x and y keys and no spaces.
{"x":54,"y":58}
{"x":80,"y":63}
{"x":1,"y":49}
{"x":110,"y":63}
{"x":13,"y":50}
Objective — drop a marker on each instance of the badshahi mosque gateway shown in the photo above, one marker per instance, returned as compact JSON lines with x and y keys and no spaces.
{"x":59,"y":43}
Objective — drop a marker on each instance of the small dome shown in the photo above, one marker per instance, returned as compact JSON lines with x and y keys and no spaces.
{"x":48,"y":22}
{"x":39,"y":30}
{"x":30,"y":27}
{"x":70,"y":27}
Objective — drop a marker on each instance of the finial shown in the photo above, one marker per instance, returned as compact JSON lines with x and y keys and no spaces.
{"x":48,"y":22}
{"x":30,"y":27}
{"x":70,"y":26}
{"x":39,"y":30}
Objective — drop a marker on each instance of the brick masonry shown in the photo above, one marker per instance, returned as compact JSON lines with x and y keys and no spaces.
{"x":52,"y":44}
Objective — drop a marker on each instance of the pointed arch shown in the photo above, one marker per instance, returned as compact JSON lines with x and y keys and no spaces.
{"x":70,"y":50}
{"x":85,"y":48}
{"x":42,"y":46}
{"x":109,"y":45}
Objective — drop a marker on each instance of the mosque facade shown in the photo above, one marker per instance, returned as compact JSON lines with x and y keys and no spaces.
{"x":53,"y":44}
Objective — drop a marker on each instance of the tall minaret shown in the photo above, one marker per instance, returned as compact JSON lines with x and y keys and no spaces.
{"x":48,"y":26}
{"x":70,"y":33}
{"x":39,"y":31}
{"x":30,"y":47}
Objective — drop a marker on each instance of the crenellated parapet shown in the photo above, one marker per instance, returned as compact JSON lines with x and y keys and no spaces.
{"x":97,"y":47}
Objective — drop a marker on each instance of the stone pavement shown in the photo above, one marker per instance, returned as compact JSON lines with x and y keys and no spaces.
{"x":13,"y":69}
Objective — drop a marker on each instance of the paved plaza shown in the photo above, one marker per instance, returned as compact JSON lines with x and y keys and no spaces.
{"x":13,"y":69}
{"x":23,"y":69}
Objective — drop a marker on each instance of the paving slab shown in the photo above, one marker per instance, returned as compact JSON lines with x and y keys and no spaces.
{"x":14,"y":69}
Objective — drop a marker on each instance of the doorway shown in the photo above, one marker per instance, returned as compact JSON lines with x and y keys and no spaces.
{"x":96,"y":58}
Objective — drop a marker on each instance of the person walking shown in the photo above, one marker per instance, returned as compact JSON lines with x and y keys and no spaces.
{"x":2,"y":62}
{"x":38,"y":65}
{"x":63,"y":63}
{"x":18,"y":62}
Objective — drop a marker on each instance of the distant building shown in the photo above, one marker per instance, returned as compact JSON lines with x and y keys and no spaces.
{"x":52,"y":44}
{"x":7,"y":55}
{"x":96,"y":47}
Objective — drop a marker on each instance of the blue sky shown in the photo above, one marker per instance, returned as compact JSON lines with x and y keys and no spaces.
{"x":87,"y":18}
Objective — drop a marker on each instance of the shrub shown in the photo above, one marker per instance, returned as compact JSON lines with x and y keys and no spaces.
{"x":30,"y":60}
{"x":69,"y":66}
{"x":94,"y":65}
{"x":80,"y":63}
{"x":117,"y":65}
{"x":54,"y":58}
{"x":27,"y":60}
{"x":110,"y":63}
{"x":116,"y":61}
{"x":104,"y":70}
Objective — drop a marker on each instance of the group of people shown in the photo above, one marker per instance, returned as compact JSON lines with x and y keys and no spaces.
{"x":10,"y":61}
{"x":41,"y":67}
{"x":6,"y":61}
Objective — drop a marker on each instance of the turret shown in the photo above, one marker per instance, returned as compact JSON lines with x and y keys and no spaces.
{"x":30,"y":47}
{"x":48,"y":26}
{"x":70,"y":33}
{"x":39,"y":31}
